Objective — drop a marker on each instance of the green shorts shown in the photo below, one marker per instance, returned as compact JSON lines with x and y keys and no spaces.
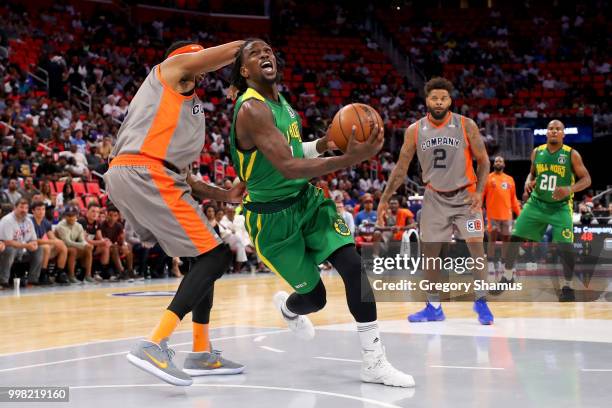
{"x":537,"y":215}
{"x":293,"y":241}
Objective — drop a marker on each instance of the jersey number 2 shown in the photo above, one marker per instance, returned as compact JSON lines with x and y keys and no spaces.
{"x":548,"y":183}
{"x":439,"y":157}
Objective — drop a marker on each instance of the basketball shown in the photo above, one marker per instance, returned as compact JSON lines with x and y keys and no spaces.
{"x":362,"y":116}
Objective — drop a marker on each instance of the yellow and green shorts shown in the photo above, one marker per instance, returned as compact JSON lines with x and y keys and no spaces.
{"x":294,"y":236}
{"x":537,"y":215}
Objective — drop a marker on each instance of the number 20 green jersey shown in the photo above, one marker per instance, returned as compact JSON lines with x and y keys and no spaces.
{"x":552,"y":170}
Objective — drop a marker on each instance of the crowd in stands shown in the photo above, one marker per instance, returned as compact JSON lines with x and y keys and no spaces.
{"x":523,"y":60}
{"x":56,"y":142}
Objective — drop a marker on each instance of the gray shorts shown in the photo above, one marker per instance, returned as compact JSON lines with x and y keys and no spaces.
{"x":504,"y":227}
{"x":157,"y":203}
{"x":440,"y":213}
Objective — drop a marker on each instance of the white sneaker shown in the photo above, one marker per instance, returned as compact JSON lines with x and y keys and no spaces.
{"x":301,"y":325}
{"x":376,"y":369}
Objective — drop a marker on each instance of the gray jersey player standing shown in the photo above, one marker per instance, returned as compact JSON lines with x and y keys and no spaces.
{"x":445,"y":144}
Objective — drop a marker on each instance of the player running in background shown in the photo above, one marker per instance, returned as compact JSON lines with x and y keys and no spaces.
{"x":445,"y":143}
{"x":150,"y":183}
{"x":500,"y":201}
{"x":552,"y":184}
{"x":294,"y":227}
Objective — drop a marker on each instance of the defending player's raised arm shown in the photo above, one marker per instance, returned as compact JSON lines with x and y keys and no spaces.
{"x":399,"y":172}
{"x":479,"y":152}
{"x":195,"y":63}
{"x":255,"y":126}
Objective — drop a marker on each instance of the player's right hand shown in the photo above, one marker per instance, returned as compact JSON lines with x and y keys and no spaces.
{"x":381,"y":213}
{"x":530,"y":186}
{"x":361,"y":151}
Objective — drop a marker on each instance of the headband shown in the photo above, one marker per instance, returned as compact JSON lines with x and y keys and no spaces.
{"x":186,"y":49}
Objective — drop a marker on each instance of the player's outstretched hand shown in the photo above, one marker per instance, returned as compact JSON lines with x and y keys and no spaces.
{"x":361,"y":151}
{"x":234,"y":194}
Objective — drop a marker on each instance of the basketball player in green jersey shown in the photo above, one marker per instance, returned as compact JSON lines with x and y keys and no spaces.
{"x":552,"y":184}
{"x":293,"y":226}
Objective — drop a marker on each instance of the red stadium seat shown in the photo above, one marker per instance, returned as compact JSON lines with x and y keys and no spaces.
{"x":79,"y":188}
{"x":93,"y":188}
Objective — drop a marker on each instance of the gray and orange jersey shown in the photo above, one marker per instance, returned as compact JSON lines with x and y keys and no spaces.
{"x":162,"y":124}
{"x":444,"y":154}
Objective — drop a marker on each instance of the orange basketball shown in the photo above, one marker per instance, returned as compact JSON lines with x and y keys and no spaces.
{"x":362,"y":116}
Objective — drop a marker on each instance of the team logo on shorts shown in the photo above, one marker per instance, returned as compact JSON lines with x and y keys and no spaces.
{"x":567,"y":233}
{"x":562,"y":159}
{"x":474,"y":225}
{"x":197,"y":109}
{"x":341,"y":227}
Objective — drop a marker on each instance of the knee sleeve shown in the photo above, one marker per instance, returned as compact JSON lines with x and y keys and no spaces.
{"x":204,"y":271}
{"x":359,"y":295}
{"x":304,"y":303}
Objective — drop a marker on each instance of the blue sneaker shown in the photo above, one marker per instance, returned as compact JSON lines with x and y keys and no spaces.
{"x":429,"y":314}
{"x":484,"y":313}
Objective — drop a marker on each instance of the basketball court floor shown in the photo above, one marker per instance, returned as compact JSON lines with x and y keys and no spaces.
{"x":535,"y":355}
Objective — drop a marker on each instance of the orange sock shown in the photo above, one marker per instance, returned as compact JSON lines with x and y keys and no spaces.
{"x":165,"y":327}
{"x":201,"y":339}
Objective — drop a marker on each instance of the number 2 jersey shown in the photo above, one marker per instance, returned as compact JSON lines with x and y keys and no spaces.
{"x":552,"y":170}
{"x":444,"y":154}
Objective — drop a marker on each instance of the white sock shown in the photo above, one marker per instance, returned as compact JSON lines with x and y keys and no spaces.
{"x":288,"y":313}
{"x":568,"y":283}
{"x":369,"y":336}
{"x":491,"y":267}
{"x":508,"y":273}
{"x":435,"y":304}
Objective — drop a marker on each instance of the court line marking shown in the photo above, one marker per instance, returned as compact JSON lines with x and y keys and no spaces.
{"x":4,"y":370}
{"x":272,"y":349}
{"x":87,"y":343}
{"x":338,"y":359}
{"x":468,"y":367}
{"x":257,"y":387}
{"x":258,"y":339}
{"x":596,"y":369}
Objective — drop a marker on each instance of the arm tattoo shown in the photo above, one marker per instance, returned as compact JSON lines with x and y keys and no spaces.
{"x":480,"y":152}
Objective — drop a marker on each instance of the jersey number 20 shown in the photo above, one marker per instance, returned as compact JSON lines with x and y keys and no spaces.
{"x":548,"y":183}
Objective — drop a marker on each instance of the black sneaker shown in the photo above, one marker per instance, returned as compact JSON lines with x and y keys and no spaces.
{"x":44,"y":280}
{"x":567,"y":294}
{"x":498,"y":292}
{"x":62,"y":279}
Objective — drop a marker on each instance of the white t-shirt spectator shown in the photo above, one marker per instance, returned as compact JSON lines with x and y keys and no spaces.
{"x":15,"y":230}
{"x":14,"y":196}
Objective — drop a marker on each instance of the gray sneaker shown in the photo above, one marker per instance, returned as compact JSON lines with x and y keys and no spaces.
{"x":157,"y":360}
{"x":206,"y":363}
{"x":72,"y":279}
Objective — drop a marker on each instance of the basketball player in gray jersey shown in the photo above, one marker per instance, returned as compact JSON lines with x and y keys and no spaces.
{"x":445,"y":144}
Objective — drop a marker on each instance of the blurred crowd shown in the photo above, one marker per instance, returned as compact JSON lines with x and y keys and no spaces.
{"x":55,"y":141}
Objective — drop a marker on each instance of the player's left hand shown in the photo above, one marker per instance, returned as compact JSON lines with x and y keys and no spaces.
{"x":326,"y":142}
{"x":475,"y":198}
{"x":561,"y":192}
{"x":234,"y":194}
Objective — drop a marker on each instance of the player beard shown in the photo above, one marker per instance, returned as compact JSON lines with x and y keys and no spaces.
{"x":498,"y":169}
{"x":437,"y":116}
